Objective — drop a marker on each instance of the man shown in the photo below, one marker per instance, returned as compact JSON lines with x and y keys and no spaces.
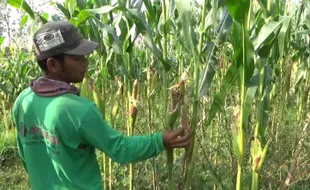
{"x":58,"y":130}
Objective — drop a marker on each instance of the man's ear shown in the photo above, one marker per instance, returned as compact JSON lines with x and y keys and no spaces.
{"x":53,"y":65}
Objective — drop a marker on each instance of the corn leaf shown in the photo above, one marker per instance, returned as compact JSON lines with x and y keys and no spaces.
{"x":143,"y":28}
{"x":149,"y":8}
{"x":165,"y":21}
{"x":64,"y":11}
{"x":266,"y":32}
{"x":116,"y":43}
{"x":81,"y":4}
{"x":209,"y":70}
{"x":82,"y":17}
{"x":22,"y":4}
{"x":238,"y":9}
{"x":4,"y":89}
{"x":95,"y":36}
{"x":301,"y":73}
{"x":102,"y":10}
{"x":2,"y":38}
{"x":224,"y":26}
{"x":284,"y":36}
{"x":101,"y":2}
{"x":256,"y":152}
{"x":266,"y":103}
{"x":250,"y":94}
{"x":187,"y":34}
{"x":207,"y":77}
{"x":42,"y":18}
{"x":229,"y":81}
{"x":244,"y":55}
{"x":23,"y":21}
{"x":138,"y":4}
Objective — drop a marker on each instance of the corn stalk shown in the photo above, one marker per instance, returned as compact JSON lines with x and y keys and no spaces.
{"x":151,"y":84}
{"x":132,"y":120}
{"x":243,"y":57}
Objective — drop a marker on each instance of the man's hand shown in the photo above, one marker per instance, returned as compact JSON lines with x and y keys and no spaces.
{"x":179,"y":138}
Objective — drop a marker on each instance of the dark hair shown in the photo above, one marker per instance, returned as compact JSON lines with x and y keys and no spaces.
{"x":43,"y":63}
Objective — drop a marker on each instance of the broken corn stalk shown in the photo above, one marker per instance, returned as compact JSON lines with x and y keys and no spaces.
{"x":174,"y":110}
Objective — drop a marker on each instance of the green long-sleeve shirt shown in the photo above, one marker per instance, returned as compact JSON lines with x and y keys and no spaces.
{"x":57,"y":137}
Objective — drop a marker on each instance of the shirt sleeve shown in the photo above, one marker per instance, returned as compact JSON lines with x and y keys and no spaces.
{"x":21,"y":153}
{"x":95,"y":131}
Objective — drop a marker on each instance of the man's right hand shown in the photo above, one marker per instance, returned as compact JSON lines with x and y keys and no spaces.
{"x":178,"y":138}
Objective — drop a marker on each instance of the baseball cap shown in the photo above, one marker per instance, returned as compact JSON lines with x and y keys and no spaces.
{"x":61,"y":37}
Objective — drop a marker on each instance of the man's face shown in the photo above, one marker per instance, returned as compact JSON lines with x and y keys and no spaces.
{"x":71,"y":70}
{"x":74,"y":68}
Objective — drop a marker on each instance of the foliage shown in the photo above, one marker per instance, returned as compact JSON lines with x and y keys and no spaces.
{"x":242,"y":82}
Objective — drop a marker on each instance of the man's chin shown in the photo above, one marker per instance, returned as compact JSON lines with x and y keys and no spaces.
{"x":78,"y":80}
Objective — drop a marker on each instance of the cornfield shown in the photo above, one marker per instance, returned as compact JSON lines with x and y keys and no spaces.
{"x":234,"y":71}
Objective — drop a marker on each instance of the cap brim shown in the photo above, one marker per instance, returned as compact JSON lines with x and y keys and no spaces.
{"x":85,"y":48}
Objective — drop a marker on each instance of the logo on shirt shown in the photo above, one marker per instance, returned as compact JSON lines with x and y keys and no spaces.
{"x":37,"y":134}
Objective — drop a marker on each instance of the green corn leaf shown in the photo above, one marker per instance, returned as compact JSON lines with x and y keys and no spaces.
{"x":81,"y":4}
{"x":2,"y":38}
{"x":256,"y":152}
{"x":116,"y":43}
{"x":43,"y":19}
{"x":98,"y":101}
{"x":45,"y":16}
{"x":263,"y":156}
{"x":265,"y":104}
{"x":82,"y":17}
{"x":65,"y":11}
{"x":100,"y":3}
{"x":207,"y":77}
{"x":250,"y":94}
{"x":224,"y":26}
{"x":238,"y":9}
{"x":143,"y":28}
{"x":243,"y":56}
{"x":173,"y":116}
{"x":209,"y":21}
{"x":209,"y":70}
{"x":85,"y":91}
{"x":138,"y":4}
{"x":185,"y":10}
{"x":284,"y":36}
{"x":90,"y":4}
{"x":266,"y":32}
{"x":168,"y":23}
{"x":229,"y":81}
{"x":149,"y":8}
{"x":23,"y":21}
{"x":109,"y":65}
{"x":94,"y":33}
{"x":22,"y":4}
{"x":236,"y":145}
{"x":302,"y":32}
{"x":5,"y":89}
{"x":95,"y":36}
{"x":264,"y":6}
{"x":121,"y":65}
{"x":301,"y":73}
{"x":102,"y":10}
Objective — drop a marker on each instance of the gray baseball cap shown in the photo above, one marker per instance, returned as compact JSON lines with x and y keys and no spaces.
{"x":61,"y":37}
